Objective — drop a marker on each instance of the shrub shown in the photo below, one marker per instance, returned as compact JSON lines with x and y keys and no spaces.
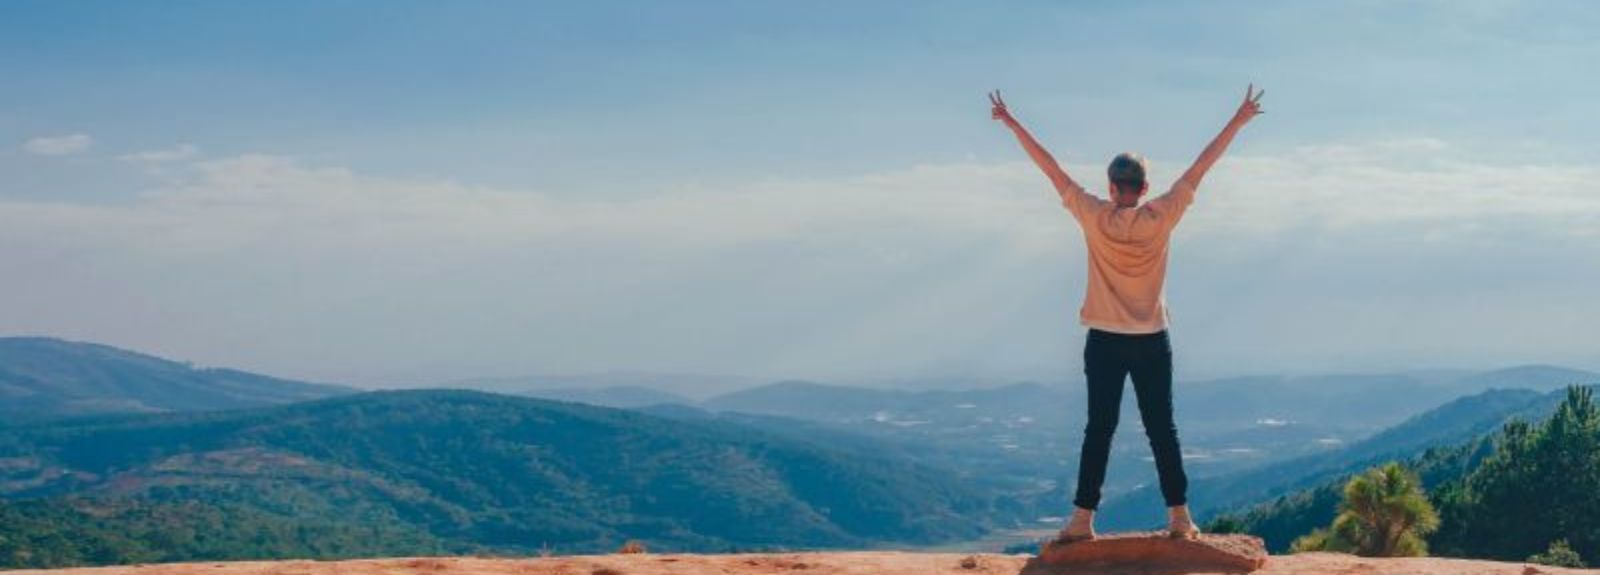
{"x":1558,"y":555}
{"x":631,"y":547}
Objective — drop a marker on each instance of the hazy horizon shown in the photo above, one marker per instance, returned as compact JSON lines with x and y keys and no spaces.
{"x":773,"y":192}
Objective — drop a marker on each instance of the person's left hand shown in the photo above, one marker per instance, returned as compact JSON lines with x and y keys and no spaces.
{"x":1251,"y":107}
{"x":999,"y":112}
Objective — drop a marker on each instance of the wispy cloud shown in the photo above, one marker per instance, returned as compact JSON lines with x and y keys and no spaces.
{"x":59,"y":145}
{"x":1423,"y":183}
{"x":863,"y":273}
{"x":1420,"y":181}
{"x":176,"y":153}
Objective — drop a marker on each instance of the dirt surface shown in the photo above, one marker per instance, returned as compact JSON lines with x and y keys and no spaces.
{"x":883,"y":563}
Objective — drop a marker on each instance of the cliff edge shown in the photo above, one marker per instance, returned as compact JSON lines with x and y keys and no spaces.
{"x":822,"y":563}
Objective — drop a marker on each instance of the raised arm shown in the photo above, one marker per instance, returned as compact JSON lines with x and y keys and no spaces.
{"x":1249,"y":109}
{"x":1063,"y":183}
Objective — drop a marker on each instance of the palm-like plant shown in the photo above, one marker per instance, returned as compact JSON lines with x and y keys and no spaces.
{"x":1384,"y":514}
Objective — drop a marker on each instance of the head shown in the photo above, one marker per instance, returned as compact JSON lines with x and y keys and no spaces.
{"x":1128,"y":182}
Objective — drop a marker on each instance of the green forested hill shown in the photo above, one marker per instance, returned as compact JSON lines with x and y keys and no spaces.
{"x":1504,"y":495}
{"x":1285,"y":518}
{"x":44,"y":378}
{"x":96,"y":531}
{"x":471,"y":469}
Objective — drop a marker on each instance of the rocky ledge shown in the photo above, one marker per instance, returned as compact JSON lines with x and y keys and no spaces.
{"x":827,"y":563}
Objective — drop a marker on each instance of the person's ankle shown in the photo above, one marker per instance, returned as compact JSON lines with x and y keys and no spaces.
{"x":1180,"y":523}
{"x":1080,"y":526}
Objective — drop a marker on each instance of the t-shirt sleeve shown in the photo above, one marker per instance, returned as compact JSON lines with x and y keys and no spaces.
{"x":1174,"y":203}
{"x":1078,"y":201}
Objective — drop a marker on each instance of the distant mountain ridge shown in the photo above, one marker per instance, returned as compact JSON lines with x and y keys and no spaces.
{"x":695,"y":386}
{"x":820,"y":401}
{"x":1370,"y":401}
{"x":619,"y":396}
{"x":45,"y":378}
{"x":1538,"y":377}
{"x":1023,"y":438}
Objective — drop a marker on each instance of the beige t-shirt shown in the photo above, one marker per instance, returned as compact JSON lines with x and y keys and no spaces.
{"x":1127,"y":258}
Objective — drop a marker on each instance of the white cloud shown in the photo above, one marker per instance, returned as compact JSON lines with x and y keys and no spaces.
{"x":264,"y":260}
{"x":1422,"y":181}
{"x":1416,"y":183}
{"x":58,"y":145}
{"x":160,"y":156}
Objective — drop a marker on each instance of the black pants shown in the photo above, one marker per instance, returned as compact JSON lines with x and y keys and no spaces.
{"x":1108,"y":358}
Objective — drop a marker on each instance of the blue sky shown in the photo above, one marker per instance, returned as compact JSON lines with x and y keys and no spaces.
{"x":404,"y":192}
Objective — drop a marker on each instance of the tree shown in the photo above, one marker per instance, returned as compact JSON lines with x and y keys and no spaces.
{"x":1538,"y":486}
{"x":1225,"y":525}
{"x":1384,"y":514}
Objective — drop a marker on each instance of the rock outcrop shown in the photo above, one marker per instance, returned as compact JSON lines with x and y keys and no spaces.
{"x":1153,"y":552}
{"x":850,"y":563}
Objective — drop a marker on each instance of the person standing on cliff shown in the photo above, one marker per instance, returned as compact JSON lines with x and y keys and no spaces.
{"x":1126,"y":312}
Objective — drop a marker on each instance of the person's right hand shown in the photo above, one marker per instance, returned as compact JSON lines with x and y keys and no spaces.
{"x":1251,"y":107}
{"x":999,"y":112}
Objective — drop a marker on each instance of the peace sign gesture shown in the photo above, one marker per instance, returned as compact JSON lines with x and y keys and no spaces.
{"x":999,"y":112}
{"x":1251,"y":107}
